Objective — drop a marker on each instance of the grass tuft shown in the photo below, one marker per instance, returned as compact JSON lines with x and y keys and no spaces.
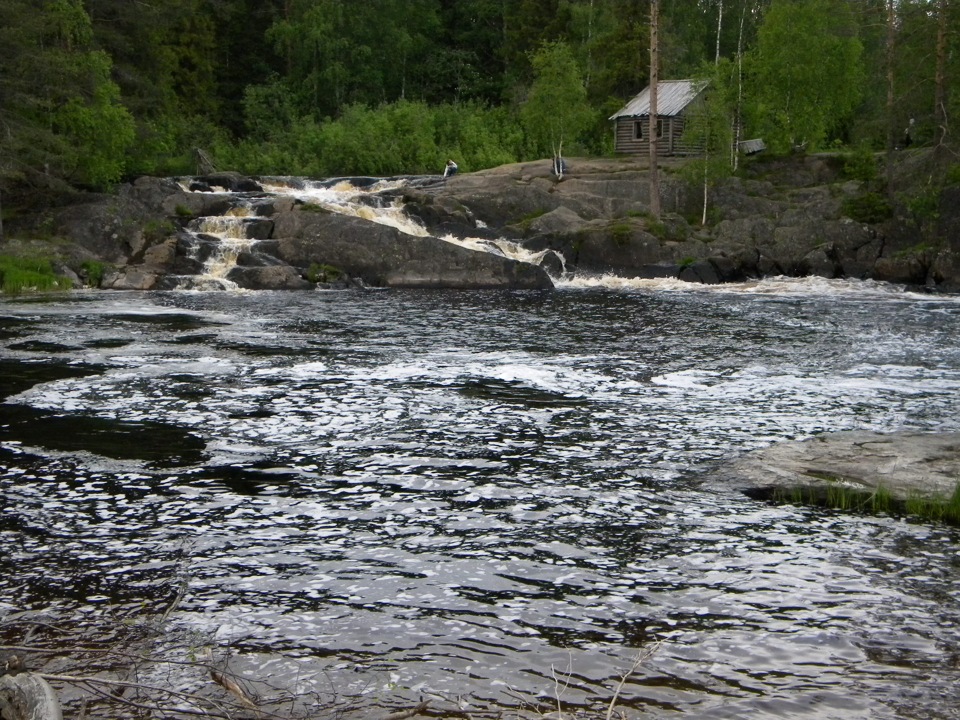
{"x":19,"y":275}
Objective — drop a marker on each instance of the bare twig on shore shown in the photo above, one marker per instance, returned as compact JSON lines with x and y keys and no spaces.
{"x":641,"y":657}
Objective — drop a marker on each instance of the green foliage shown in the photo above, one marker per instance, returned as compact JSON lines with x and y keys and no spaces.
{"x":93,"y":272}
{"x":395,"y":138}
{"x":621,"y":233}
{"x":98,"y":130}
{"x":805,"y":72}
{"x":95,"y":91}
{"x":915,"y":251}
{"x":840,"y":496}
{"x":861,"y":164}
{"x":952,"y":177}
{"x":59,"y":108}
{"x":923,"y":203}
{"x":870,"y":208}
{"x":556,"y":110}
{"x":156,"y":230}
{"x":710,"y":122}
{"x":321,"y":273}
{"x":936,"y":508}
{"x":19,"y":275}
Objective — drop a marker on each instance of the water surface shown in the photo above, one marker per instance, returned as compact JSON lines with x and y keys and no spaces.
{"x":406,"y":493}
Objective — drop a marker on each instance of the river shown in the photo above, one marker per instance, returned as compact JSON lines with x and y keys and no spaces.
{"x":493,"y":497}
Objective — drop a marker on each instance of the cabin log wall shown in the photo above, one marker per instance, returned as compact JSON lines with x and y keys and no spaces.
{"x":672,"y":141}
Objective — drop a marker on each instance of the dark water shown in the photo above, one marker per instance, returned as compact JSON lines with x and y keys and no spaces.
{"x":396,"y":494}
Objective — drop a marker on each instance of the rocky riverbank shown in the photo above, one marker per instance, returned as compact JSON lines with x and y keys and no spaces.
{"x":916,"y":471}
{"x":795,"y":216}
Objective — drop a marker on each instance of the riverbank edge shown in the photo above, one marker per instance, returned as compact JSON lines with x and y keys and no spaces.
{"x":788,"y":216}
{"x":903,"y":472}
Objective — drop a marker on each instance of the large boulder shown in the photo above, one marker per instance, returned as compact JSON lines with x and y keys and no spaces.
{"x":275,"y":277}
{"x":903,"y":464}
{"x":380,"y":255}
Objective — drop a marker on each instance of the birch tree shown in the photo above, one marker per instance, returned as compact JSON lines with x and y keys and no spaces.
{"x":807,"y":72}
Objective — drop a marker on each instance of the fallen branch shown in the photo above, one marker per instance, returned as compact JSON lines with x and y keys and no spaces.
{"x":231,"y":686}
{"x":408,"y":713}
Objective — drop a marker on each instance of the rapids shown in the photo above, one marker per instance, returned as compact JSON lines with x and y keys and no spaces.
{"x":396,"y":494}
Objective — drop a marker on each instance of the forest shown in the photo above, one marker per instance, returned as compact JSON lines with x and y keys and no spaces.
{"x":94,"y":92}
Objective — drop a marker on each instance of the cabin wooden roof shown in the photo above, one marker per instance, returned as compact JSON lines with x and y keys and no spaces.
{"x":672,"y":97}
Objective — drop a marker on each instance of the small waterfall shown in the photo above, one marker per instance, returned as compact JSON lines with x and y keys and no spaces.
{"x":514,"y":251}
{"x":346,"y":197}
{"x":218,"y":242}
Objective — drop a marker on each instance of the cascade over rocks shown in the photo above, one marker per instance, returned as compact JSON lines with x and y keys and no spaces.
{"x":787,"y":216}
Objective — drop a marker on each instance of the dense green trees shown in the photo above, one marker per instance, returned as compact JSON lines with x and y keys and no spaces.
{"x":92,"y":91}
{"x":807,"y":71}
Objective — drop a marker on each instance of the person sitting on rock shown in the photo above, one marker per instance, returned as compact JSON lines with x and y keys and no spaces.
{"x":450,"y":170}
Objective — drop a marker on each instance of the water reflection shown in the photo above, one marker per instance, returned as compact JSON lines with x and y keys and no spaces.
{"x":416,"y":492}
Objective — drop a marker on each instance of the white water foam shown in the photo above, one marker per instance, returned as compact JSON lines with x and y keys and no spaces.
{"x":780,"y":285}
{"x":343,"y":198}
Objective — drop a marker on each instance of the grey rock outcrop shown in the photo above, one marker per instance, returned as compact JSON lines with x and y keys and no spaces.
{"x":904,"y":464}
{"x":383,"y":256}
{"x":791,"y":216}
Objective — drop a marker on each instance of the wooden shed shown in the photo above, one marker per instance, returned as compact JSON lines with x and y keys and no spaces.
{"x":632,"y":122}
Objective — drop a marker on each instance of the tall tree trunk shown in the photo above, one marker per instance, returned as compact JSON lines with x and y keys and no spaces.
{"x":654,"y":86}
{"x":891,"y":121}
{"x":738,"y":116}
{"x":719,"y":28}
{"x":940,"y":111}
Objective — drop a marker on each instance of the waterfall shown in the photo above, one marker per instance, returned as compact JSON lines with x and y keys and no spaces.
{"x":217,"y":242}
{"x":365,"y":201}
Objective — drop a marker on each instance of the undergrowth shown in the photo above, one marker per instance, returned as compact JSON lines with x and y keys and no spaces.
{"x":19,"y":275}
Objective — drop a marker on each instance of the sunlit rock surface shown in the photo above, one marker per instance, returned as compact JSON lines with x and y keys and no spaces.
{"x":905,"y":464}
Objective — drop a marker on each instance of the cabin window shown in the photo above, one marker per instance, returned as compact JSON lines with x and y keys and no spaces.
{"x":638,"y":133}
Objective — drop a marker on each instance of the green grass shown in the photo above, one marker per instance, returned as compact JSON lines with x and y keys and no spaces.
{"x":842,"y":497}
{"x":19,"y":275}
{"x":526,"y":221}
{"x":315,"y":208}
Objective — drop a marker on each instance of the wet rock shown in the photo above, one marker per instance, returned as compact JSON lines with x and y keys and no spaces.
{"x":274,"y":277}
{"x":134,"y":277}
{"x":905,"y":464}
{"x":27,"y":696}
{"x":230,"y":181}
{"x":383,"y":256}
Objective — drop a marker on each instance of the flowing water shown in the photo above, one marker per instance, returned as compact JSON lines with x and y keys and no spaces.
{"x":490,"y":496}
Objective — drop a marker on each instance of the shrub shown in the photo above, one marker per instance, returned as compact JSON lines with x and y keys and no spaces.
{"x":861,"y":164}
{"x":93,"y":271}
{"x":621,"y":233}
{"x":868,"y":208}
{"x":319,"y":272}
